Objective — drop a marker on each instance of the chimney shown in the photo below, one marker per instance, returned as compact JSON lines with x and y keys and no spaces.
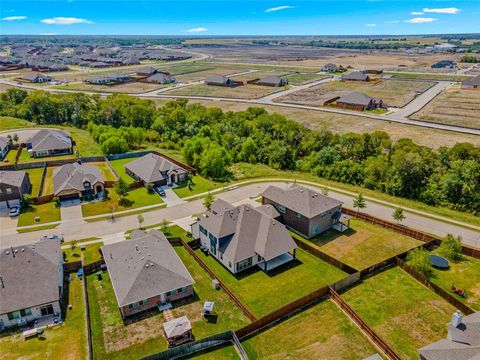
{"x":457,"y":318}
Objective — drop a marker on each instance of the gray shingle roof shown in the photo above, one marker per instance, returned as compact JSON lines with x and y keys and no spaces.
{"x":143,"y":267}
{"x":301,"y":199}
{"x":254,"y":232}
{"x":160,"y":78}
{"x":216,"y":79}
{"x":153,"y":168}
{"x":273,"y":80}
{"x":356,"y":98}
{"x":73,"y":176}
{"x":50,"y":139}
{"x":146,"y":70}
{"x":33,"y":76}
{"x":357,"y":75}
{"x":13,"y":178}
{"x":472,"y":81}
{"x":29,"y":278}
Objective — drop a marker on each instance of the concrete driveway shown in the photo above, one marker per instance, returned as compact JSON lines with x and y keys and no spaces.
{"x":171,"y":198}
{"x":71,"y":212}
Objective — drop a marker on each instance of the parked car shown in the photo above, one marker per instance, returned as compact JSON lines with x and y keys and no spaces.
{"x":14,"y":211}
{"x":54,"y":237}
{"x":161,"y":192}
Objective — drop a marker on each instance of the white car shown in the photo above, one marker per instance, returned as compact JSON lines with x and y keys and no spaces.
{"x":14,"y":211}
{"x":54,"y":237}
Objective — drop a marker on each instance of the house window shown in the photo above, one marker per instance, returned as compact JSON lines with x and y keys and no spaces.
{"x":213,"y":244}
{"x":46,"y":310}
{"x":203,"y":230}
{"x":244,"y":264}
{"x":281,"y":209}
{"x":259,"y":258}
{"x":25,"y":312}
{"x":14,"y":315}
{"x":298,"y":216}
{"x":9,"y":190}
{"x":314,"y":229}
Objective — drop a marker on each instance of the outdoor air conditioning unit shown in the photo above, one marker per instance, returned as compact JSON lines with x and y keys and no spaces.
{"x":216,"y":284}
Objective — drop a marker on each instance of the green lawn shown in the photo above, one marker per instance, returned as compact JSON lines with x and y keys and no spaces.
{"x":90,"y":254}
{"x":48,"y":213}
{"x":67,"y":341}
{"x":139,"y":197}
{"x":119,"y":167}
{"x":321,"y":331}
{"x":35,"y":179}
{"x":9,"y":123}
{"x":263,"y":293}
{"x":113,"y":340}
{"x":10,"y":157}
{"x":200,"y":185}
{"x":48,"y":183}
{"x":364,"y":244}
{"x":37,"y":228}
{"x":225,"y":353}
{"x":405,"y":313}
{"x":106,"y":172}
{"x":25,"y":157}
{"x":465,"y":275}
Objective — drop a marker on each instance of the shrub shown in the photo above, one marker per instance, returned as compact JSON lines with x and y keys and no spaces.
{"x":125,"y":202}
{"x":451,"y":247}
{"x":150,"y":188}
{"x":56,"y":200}
{"x":418,"y":259}
{"x":26,"y":201}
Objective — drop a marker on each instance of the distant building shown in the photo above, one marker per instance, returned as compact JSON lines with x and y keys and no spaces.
{"x":72,"y":181}
{"x":219,"y":80}
{"x":444,"y":64}
{"x":31,"y":282}
{"x":275,"y":81}
{"x":146,"y":70}
{"x":358,"y":101}
{"x":49,"y":142}
{"x":13,"y":185}
{"x":330,"y":68}
{"x":109,"y":79}
{"x":471,"y":83}
{"x":355,"y":76}
{"x":160,"y":79}
{"x":35,"y":77}
{"x":146,"y":272}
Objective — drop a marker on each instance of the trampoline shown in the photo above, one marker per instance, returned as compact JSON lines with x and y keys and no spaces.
{"x":439,"y":262}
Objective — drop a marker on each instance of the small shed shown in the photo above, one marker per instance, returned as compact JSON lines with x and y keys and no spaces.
{"x":208,"y":308}
{"x":178,"y":331}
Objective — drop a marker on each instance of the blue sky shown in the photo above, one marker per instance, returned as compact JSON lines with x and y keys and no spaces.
{"x":314,"y":17}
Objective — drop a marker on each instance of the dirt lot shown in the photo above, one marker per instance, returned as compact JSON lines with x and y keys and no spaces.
{"x":339,"y":123}
{"x":393,"y":92}
{"x":259,"y":75}
{"x":239,"y":92}
{"x":455,"y":106}
{"x":129,"y":88}
{"x":201,"y":75}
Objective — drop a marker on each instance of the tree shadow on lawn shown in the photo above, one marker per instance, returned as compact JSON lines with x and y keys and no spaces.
{"x":331,"y":235}
{"x":66,"y":295}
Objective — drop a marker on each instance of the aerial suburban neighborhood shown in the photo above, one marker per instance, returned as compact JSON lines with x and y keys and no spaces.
{"x":234,"y":192}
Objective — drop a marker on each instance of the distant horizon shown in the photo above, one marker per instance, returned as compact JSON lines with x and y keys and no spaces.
{"x":240,"y":18}
{"x":240,"y":35}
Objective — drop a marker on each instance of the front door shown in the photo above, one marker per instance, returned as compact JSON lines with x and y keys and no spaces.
{"x":163,"y":299}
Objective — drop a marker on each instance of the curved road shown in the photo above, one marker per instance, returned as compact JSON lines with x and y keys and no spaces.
{"x":74,"y":230}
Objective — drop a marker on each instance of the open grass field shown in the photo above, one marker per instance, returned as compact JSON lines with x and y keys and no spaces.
{"x":35,"y":176}
{"x":199,"y":185}
{"x":340,"y":123}
{"x":406,"y":314}
{"x":395,"y":93}
{"x":47,"y":212}
{"x":240,"y":92}
{"x":303,"y":78}
{"x":201,"y":75}
{"x":455,"y":107}
{"x":259,"y":75}
{"x":113,"y":339}
{"x":138,"y":198}
{"x":427,"y":76}
{"x":188,"y":68}
{"x":322,"y":331}
{"x":264,"y":292}
{"x":119,"y":167}
{"x":8,"y":123}
{"x":364,"y":244}
{"x":67,"y":341}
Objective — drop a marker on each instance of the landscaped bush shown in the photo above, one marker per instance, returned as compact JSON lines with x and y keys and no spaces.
{"x":418,"y":259}
{"x":451,"y":247}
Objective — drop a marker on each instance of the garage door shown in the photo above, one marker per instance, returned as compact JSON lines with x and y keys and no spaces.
{"x":15,"y":202}
{"x":3,"y":205}
{"x":69,"y":197}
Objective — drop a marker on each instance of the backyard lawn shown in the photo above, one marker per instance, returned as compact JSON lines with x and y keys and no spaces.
{"x":112,"y":339}
{"x":107,"y":174}
{"x":90,"y":254}
{"x":48,"y":183}
{"x":139,"y":197}
{"x":35,"y":176}
{"x":119,"y":167}
{"x":47,"y":212}
{"x":67,"y":341}
{"x":406,"y":314}
{"x":199,"y":185}
{"x":364,"y":244}
{"x":322,"y":331}
{"x":9,"y":158}
{"x":25,"y":157}
{"x":264,"y":292}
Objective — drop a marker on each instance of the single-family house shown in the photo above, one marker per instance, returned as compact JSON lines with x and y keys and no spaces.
{"x":219,"y":80}
{"x":471,"y":83}
{"x":98,"y":64}
{"x":275,"y":81}
{"x":462,"y":342}
{"x":13,"y":185}
{"x":330,"y":67}
{"x":146,"y":71}
{"x":243,"y":236}
{"x":145,"y":272}
{"x":109,"y":79}
{"x":358,"y":101}
{"x":160,"y":78}
{"x":31,"y":282}
{"x":72,"y":181}
{"x":355,"y":76}
{"x":4,"y":147}
{"x":156,"y":169}
{"x":49,"y":142}
{"x":444,"y":64}
{"x":35,"y":77}
{"x":302,"y":209}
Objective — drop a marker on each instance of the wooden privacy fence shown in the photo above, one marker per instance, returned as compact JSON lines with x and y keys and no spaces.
{"x":72,"y":266}
{"x":89,"y":327}
{"x":434,"y":287}
{"x":369,"y":332}
{"x":230,"y":294}
{"x":93,"y":267}
{"x":346,"y":282}
{"x":42,"y":181}
{"x":281,"y":312}
{"x":43,"y":199}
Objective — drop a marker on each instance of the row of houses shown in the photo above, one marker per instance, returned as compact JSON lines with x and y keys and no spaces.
{"x":223,"y":80}
{"x":146,"y":74}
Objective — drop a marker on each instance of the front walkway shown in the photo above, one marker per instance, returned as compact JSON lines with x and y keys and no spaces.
{"x":171,"y":198}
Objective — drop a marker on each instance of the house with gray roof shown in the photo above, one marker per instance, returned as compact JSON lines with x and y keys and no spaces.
{"x":275,"y":81}
{"x":4,"y":147}
{"x":243,"y":236}
{"x":109,"y":79}
{"x":156,"y":169}
{"x":472,"y":82}
{"x":146,"y":272}
{"x":219,"y":80}
{"x":462,"y":342}
{"x":72,"y":181}
{"x":146,"y":70}
{"x":159,"y":78}
{"x":358,"y":101}
{"x":31,"y":282}
{"x":49,"y":142}
{"x":355,"y":76}
{"x":35,"y":77}
{"x":303,"y":210}
{"x":13,"y":185}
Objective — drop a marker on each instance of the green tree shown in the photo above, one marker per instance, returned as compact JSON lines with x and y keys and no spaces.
{"x":26,"y":201}
{"x":359,"y":202}
{"x":150,"y":188}
{"x":140,"y":219}
{"x":398,"y":215}
{"x":114,"y":145}
{"x":214,"y":162}
{"x":164,"y":226}
{"x":121,"y":188}
{"x":451,"y":247}
{"x":419,"y":260}
{"x":208,"y":201}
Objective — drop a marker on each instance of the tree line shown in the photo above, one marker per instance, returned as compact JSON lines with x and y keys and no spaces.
{"x":211,"y":140}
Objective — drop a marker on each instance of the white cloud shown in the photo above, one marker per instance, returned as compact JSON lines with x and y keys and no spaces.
{"x":197,"y":30}
{"x":450,"y":10}
{"x":278,"y":8}
{"x":65,"y":21}
{"x":392,"y":21}
{"x":14,"y":18}
{"x":370,"y":25}
{"x":416,"y":13}
{"x":420,"y":20}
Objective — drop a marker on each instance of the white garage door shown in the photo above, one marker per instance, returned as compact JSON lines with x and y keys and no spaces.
{"x":3,"y":205}
{"x":15,"y":202}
